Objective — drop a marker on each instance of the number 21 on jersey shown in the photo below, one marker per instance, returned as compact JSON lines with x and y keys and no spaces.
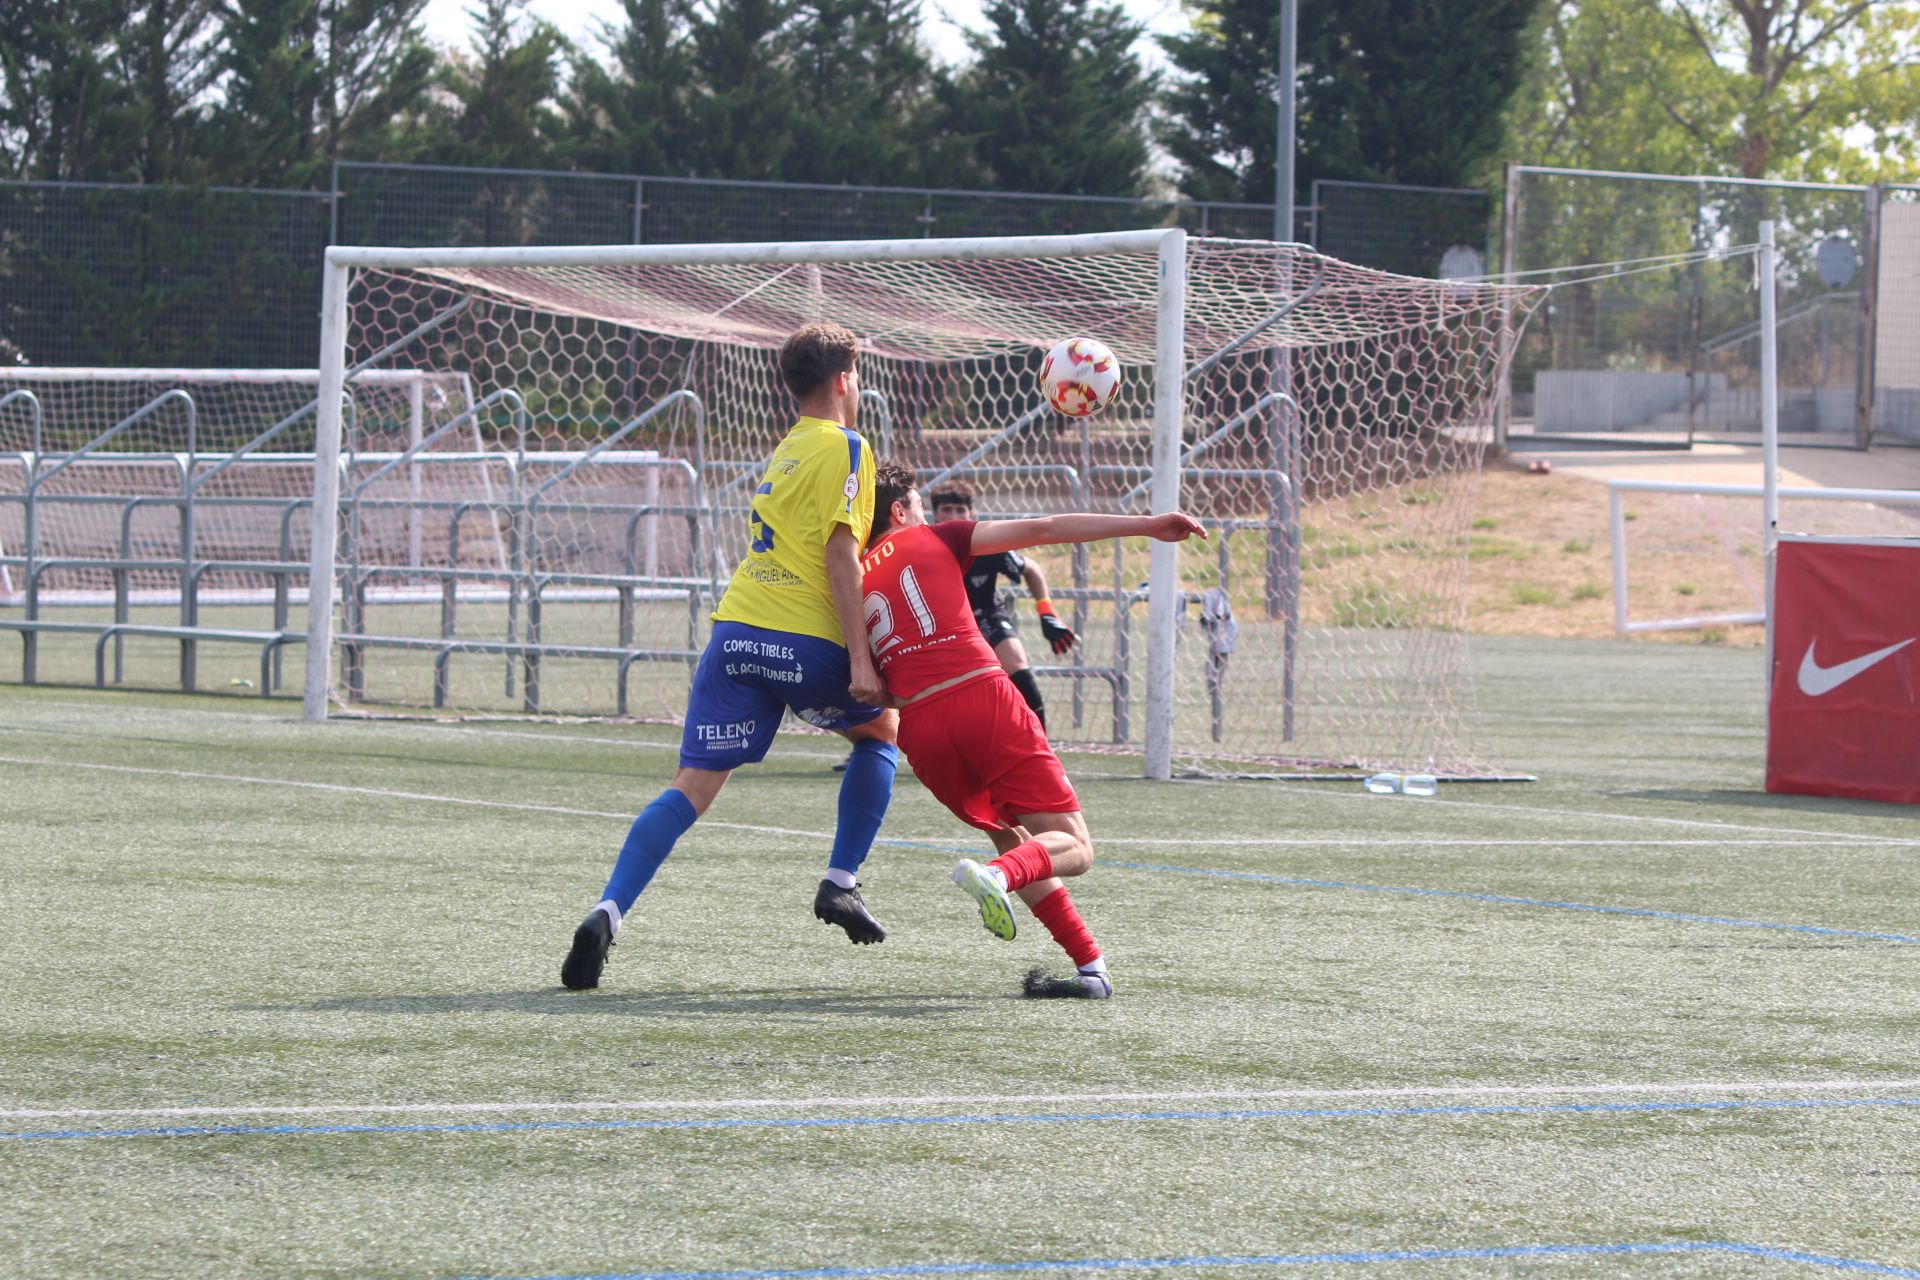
{"x":880,"y":620}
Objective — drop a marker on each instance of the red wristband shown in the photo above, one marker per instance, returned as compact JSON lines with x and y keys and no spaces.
{"x":1044,"y":608}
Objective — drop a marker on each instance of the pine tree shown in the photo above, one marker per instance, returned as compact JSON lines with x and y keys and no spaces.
{"x":863,"y":81}
{"x":499,"y":109}
{"x":93,"y":90}
{"x":167,"y":60}
{"x":1055,"y":99}
{"x":632,"y":117}
{"x":64,"y":113}
{"x":1408,"y":91}
{"x":744,"y":100}
{"x":308,"y":83}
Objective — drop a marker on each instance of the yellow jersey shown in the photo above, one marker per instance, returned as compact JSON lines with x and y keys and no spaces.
{"x":821,"y":476}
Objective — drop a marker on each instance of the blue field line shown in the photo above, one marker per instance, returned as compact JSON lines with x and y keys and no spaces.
{"x":887,"y":1122}
{"x":1363,"y":1257}
{"x":1506,"y":900}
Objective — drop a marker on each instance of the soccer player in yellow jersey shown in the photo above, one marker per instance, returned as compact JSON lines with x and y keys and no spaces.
{"x":790,"y":632}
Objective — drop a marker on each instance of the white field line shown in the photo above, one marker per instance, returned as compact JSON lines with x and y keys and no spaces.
{"x":338,"y":788}
{"x":1429,"y":842}
{"x":436,"y":727}
{"x":932,"y":841}
{"x":1314,"y":789}
{"x":779,"y":752}
{"x":384,"y":792}
{"x":1574,"y":813}
{"x":885,"y":1102}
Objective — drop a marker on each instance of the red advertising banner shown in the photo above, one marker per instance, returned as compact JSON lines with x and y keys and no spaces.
{"x":1843,"y":705}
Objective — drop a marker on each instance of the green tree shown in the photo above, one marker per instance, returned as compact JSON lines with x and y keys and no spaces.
{"x":1596,"y":90}
{"x":1408,"y":91}
{"x":1055,"y":100}
{"x":307,"y":83}
{"x":64,"y":113}
{"x":498,"y":109}
{"x":863,"y":81}
{"x":1810,"y":89}
{"x":103,"y":90}
{"x":744,"y":100}
{"x":631,"y":117}
{"x":167,"y":58}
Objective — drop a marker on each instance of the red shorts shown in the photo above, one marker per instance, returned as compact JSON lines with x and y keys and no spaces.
{"x":981,"y":751}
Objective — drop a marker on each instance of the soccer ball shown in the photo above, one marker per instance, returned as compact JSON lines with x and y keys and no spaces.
{"x":1079,"y":377}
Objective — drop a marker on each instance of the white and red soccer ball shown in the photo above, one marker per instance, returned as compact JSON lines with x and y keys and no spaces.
{"x":1079,"y":377}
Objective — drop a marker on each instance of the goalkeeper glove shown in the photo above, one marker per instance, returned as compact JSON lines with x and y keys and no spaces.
{"x":1058,"y":634}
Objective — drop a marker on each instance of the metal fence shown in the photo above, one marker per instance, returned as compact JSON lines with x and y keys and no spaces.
{"x":1414,"y":231}
{"x":96,"y":274}
{"x":122,"y":275}
{"x":1668,"y":353}
{"x":114,"y":275}
{"x":418,"y":205}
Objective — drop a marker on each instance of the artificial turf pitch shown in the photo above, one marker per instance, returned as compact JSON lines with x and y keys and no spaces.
{"x":282,"y":999}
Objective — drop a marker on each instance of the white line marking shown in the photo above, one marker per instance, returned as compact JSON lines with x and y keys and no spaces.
{"x":562,"y":738}
{"x":779,"y":752}
{"x":1543,"y":842}
{"x":336,"y":787}
{"x":1293,"y":789}
{"x":1309,"y":788}
{"x":938,"y":840}
{"x":967,"y":1099}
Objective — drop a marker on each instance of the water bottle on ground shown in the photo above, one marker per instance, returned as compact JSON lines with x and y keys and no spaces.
{"x":1420,"y":784}
{"x":1383,"y":784}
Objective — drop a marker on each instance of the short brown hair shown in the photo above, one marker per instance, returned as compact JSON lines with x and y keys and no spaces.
{"x":892,"y":481}
{"x":953,"y":493}
{"x":815,"y":353}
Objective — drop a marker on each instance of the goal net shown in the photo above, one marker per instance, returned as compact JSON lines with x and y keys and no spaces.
{"x":1325,"y":421}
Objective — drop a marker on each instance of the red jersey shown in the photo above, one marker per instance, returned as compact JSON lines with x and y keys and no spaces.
{"x":919,"y":622}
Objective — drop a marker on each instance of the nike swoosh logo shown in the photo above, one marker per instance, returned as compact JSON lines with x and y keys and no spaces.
{"x":1816,"y":679}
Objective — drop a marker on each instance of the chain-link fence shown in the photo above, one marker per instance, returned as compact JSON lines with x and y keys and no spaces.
{"x":115,"y":275}
{"x":415,"y":205}
{"x":95,"y":274}
{"x":125,"y":275}
{"x":1634,"y":350}
{"x":1430,"y":232}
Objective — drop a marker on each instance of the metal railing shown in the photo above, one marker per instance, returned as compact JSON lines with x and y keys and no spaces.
{"x":519,"y":517}
{"x":1617,"y":533}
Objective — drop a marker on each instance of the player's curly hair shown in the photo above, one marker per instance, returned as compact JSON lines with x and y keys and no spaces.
{"x":892,"y":481}
{"x":952,"y":493}
{"x":813,"y":354}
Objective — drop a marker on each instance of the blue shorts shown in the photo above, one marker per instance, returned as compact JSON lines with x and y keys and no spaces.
{"x":747,"y":677}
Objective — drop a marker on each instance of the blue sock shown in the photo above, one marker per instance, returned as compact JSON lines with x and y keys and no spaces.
{"x":865,"y":789}
{"x":648,"y":843}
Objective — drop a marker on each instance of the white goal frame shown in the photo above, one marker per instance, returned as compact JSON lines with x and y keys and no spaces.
{"x":1169,"y":394}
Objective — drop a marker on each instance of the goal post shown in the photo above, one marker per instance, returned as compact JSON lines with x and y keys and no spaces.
{"x":1169,"y":394}
{"x":321,"y":578}
{"x":1324,"y":421}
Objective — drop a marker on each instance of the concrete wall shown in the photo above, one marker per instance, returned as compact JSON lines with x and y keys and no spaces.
{"x":1580,"y":400}
{"x":1896,"y":353}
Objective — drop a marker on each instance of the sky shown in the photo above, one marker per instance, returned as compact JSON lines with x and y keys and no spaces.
{"x":447,"y":22}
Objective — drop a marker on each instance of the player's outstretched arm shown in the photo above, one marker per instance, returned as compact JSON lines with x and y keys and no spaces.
{"x":990,"y":536}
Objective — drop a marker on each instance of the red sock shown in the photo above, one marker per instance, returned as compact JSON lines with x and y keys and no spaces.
{"x":1062,"y":918}
{"x":1023,"y":864}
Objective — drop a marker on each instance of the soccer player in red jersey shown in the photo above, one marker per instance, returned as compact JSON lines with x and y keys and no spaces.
{"x":966,"y":730}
